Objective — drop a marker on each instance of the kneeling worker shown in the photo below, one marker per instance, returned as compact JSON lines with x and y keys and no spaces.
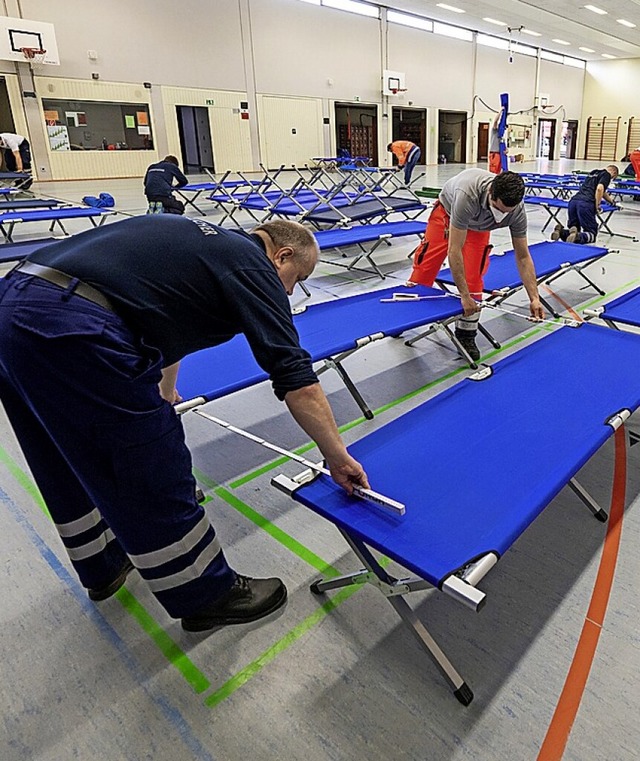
{"x":584,"y":205}
{"x":158,"y":184}
{"x":470,"y":205}
{"x":17,"y":156}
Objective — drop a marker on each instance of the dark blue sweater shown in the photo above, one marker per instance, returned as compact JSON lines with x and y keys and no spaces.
{"x":184,"y":284}
{"x":158,"y":181}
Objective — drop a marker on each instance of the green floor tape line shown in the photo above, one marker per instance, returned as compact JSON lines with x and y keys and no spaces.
{"x":176,"y":657}
{"x":24,"y":481}
{"x":242,"y":677}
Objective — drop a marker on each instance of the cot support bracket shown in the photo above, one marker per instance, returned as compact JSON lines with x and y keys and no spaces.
{"x":452,"y":337}
{"x":394,"y":590}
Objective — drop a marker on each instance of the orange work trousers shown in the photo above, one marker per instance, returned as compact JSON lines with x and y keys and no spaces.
{"x":634,"y":158}
{"x":432,"y":251}
{"x":495,"y":162}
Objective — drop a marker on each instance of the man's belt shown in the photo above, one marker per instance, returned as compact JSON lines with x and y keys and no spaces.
{"x":65,"y":281}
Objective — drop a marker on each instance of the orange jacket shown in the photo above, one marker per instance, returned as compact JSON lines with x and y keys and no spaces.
{"x":401,"y":149}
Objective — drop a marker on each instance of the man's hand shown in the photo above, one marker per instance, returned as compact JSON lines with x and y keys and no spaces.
{"x":470,"y":306}
{"x":347,"y":473}
{"x":170,"y":395}
{"x":536,"y":310}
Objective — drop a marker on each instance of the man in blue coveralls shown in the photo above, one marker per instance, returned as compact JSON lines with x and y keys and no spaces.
{"x":92,"y":329}
{"x":584,"y":205}
{"x":159,"y":184}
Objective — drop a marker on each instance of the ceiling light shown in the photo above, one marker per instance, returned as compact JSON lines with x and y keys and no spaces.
{"x":494,"y":21}
{"x":450,"y":8}
{"x":606,"y":55}
{"x":561,"y":42}
{"x":623,"y":22}
{"x":594,"y":9}
{"x":587,"y":50}
{"x":531,"y":32}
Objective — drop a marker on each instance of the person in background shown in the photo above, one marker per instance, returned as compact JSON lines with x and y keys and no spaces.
{"x":159,"y":184}
{"x":470,"y":205}
{"x":408,"y":155}
{"x":495,"y":160}
{"x":17,"y":156}
{"x":585,"y":205}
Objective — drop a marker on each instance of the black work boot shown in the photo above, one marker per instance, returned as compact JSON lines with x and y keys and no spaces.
{"x":247,"y":600}
{"x":102,"y":593}
{"x":467,"y":339}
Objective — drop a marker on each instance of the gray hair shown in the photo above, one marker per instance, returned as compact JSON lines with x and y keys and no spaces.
{"x":283,"y":233}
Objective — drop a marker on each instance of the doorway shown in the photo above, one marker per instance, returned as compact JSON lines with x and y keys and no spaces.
{"x":195,"y":139}
{"x":357,"y":130}
{"x":483,"y":141}
{"x":452,"y":137}
{"x":410,"y":124}
{"x":569,"y":139}
{"x":546,"y":139}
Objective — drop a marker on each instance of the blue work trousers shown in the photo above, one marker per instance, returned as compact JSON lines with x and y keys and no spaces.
{"x":582,"y":214}
{"x":412,"y":160}
{"x":107,"y":452}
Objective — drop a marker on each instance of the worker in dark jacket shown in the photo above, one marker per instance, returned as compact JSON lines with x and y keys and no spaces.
{"x":92,"y":330}
{"x":159,"y":184}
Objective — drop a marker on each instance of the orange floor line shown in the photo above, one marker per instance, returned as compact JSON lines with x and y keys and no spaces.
{"x":555,"y":741}
{"x":566,"y":306}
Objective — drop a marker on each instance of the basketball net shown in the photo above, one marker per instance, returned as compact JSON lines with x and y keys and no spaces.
{"x":33,"y":55}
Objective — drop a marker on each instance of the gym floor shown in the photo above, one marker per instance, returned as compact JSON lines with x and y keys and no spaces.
{"x":334,"y":677}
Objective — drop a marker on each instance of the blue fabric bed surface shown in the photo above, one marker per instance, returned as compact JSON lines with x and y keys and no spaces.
{"x":308,"y":200}
{"x":560,"y":203}
{"x":625,"y":309}
{"x":29,"y":203}
{"x":478,"y":463}
{"x":548,"y":256}
{"x":35,"y":215}
{"x":365,"y":233}
{"x":325,"y":330}
{"x":366,"y":210}
{"x":199,"y":187}
{"x":12,"y":252}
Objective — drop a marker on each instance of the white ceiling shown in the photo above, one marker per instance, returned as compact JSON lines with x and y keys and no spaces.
{"x":566,"y":20}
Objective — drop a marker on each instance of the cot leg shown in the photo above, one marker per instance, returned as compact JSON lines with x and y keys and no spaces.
{"x":460,"y":688}
{"x":549,"y":307}
{"x":591,"y":283}
{"x":337,"y":366}
{"x":588,"y":500}
{"x":488,"y":336}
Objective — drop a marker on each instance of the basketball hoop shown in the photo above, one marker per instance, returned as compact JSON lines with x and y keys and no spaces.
{"x":33,"y":55}
{"x":396,"y":90}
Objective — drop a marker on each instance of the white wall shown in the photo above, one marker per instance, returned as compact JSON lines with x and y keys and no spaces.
{"x":611,"y":90}
{"x":286,"y":48}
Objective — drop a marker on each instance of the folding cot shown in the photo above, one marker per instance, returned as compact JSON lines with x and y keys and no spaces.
{"x":190,"y":193}
{"x":330,"y":332}
{"x":15,"y":179}
{"x":9,"y":219}
{"x":352,"y":236}
{"x":13,"y":252}
{"x":553,"y":206}
{"x":552,"y":259}
{"x":30,"y":203}
{"x":625,"y":310}
{"x":462,"y":517}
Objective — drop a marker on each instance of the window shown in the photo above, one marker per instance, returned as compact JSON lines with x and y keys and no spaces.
{"x":93,"y":126}
{"x":453,"y":31}
{"x":406,"y":20}
{"x":353,"y":6}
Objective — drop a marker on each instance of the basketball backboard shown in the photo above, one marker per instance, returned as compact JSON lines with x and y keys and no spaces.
{"x":18,"y":33}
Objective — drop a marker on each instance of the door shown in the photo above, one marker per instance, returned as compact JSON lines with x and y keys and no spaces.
{"x":291,"y":131}
{"x":483,"y":141}
{"x":546,"y":138}
{"x":195,"y":139}
{"x":410,"y":124}
{"x":452,"y":137}
{"x":569,"y":139}
{"x":357,"y":130}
